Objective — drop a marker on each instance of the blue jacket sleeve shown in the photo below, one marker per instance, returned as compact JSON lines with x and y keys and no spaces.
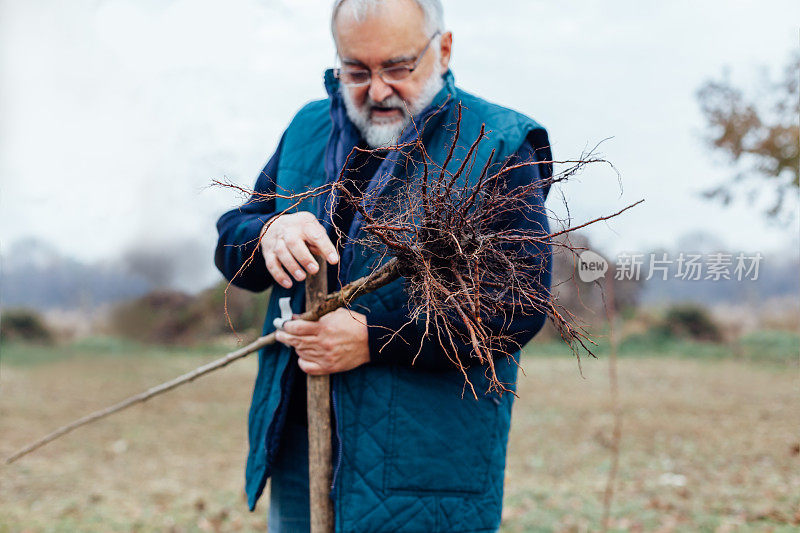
{"x":401,"y":349}
{"x":238,"y":256}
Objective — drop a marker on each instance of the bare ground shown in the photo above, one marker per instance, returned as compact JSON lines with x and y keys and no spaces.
{"x":708,"y":445}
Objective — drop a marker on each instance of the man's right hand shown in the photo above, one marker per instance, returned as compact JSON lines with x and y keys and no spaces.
{"x":289,"y":242}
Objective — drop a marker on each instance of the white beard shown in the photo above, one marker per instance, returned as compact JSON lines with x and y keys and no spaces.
{"x":380,"y":133}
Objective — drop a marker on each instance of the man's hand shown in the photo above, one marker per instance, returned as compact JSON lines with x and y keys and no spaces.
{"x":339,"y":341}
{"x":288,"y":241}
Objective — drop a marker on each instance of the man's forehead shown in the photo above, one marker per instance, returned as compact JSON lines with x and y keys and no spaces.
{"x":392,"y":10}
{"x":392,"y":30}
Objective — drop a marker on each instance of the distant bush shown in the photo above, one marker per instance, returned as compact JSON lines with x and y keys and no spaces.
{"x":162,"y":317}
{"x":172,"y":317}
{"x":24,"y":325}
{"x":690,"y":321}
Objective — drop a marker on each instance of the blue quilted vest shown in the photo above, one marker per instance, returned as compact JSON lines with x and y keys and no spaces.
{"x":412,"y":453}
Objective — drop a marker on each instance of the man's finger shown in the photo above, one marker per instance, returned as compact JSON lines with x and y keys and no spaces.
{"x":287,"y":339}
{"x":311,"y":368}
{"x":311,"y":353}
{"x":302,"y":254}
{"x":306,"y":347}
{"x":302,"y":327}
{"x":275,"y":269}
{"x":287,"y":260}
{"x":315,"y":234}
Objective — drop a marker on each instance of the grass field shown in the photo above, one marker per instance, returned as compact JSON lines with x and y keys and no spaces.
{"x":711,"y":440}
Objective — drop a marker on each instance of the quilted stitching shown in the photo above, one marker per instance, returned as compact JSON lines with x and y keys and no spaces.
{"x":439,"y":495}
{"x":367,"y":504}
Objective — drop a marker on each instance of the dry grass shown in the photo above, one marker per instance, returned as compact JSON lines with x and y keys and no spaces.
{"x":706,"y":445}
{"x":176,"y":461}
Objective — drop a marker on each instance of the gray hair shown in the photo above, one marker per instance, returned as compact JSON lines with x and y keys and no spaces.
{"x":432,"y":9}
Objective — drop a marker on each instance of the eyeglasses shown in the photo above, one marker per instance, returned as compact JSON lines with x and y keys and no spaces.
{"x":360,"y":77}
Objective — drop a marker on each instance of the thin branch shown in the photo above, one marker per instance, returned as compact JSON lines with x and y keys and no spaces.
{"x":383,"y":276}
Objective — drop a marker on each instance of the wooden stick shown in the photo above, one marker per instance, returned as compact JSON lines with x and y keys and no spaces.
{"x":616,"y":409}
{"x":377,"y":279}
{"x":320,"y":469}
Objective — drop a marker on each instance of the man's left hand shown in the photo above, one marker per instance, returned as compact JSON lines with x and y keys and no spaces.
{"x":337,"y":342}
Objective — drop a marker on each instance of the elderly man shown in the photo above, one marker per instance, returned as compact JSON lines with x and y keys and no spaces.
{"x":411,"y":452}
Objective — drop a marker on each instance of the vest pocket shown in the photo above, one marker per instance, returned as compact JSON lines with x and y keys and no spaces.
{"x":439,"y":441}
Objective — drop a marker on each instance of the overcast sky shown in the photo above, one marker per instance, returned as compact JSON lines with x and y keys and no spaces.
{"x":117,"y":114}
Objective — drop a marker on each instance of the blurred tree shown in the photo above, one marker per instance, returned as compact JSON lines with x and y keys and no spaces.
{"x":763,"y":137}
{"x":24,"y":325}
{"x":171,"y":317}
{"x":691,"y":321}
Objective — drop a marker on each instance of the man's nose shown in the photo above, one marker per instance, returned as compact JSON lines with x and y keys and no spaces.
{"x":379,"y":90}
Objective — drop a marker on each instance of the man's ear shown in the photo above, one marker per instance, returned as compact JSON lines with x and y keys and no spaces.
{"x":446,"y":47}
